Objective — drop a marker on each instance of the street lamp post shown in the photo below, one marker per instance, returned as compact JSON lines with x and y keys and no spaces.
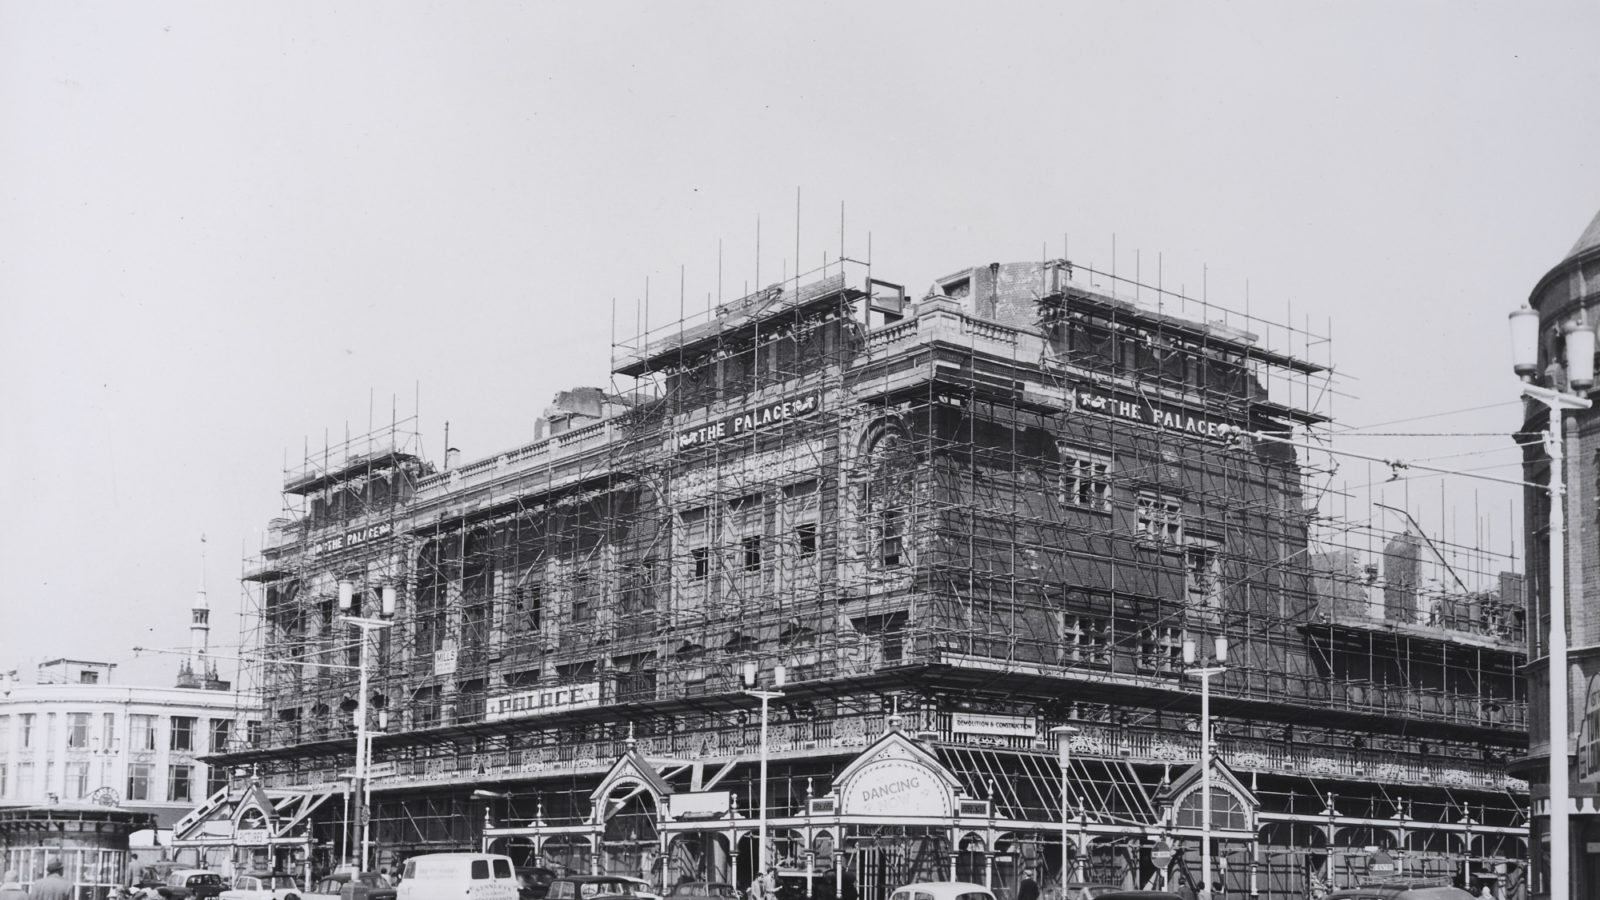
{"x":363,"y":750}
{"x":1204,"y":671}
{"x":778,"y":676}
{"x":1063,"y":735}
{"x":1580,"y":345}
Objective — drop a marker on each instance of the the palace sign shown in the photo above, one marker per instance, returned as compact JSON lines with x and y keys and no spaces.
{"x":352,"y":538}
{"x":1143,"y":412}
{"x":759,"y":418}
{"x":543,"y":701}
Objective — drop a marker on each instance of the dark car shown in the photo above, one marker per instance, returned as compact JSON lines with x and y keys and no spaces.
{"x":1082,"y":890}
{"x":588,"y":887}
{"x":533,"y":882}
{"x":1402,"y":890}
{"x":1140,"y":895}
{"x":367,"y":886}
{"x":191,"y":884}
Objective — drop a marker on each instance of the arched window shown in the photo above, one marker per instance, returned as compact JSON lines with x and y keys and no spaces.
{"x":1226,"y":810}
{"x":884,"y":493}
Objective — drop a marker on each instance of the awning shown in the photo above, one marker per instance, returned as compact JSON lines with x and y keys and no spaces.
{"x":1027,"y":786}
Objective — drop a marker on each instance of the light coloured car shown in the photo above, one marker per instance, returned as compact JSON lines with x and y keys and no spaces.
{"x":263,"y":886}
{"x":942,"y":890}
{"x":644,"y":889}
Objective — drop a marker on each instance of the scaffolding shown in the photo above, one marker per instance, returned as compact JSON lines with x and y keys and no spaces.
{"x":1017,"y":497}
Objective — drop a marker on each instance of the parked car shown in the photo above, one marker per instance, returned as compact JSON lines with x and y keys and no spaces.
{"x":1140,"y":895}
{"x":1082,"y":890}
{"x":263,"y":886}
{"x":473,"y":876}
{"x":942,"y":890}
{"x":643,"y":889}
{"x":533,"y":882}
{"x":703,"y":890}
{"x":367,"y":886}
{"x":325,"y":888}
{"x":191,"y":884}
{"x":1402,"y":890}
{"x":588,"y":887}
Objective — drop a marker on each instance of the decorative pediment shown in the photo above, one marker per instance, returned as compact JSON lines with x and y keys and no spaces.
{"x":255,"y":809}
{"x":630,"y":770}
{"x":1221,"y":776}
{"x":895,"y":776}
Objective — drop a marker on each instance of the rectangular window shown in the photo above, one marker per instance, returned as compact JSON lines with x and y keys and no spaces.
{"x":1084,"y":640}
{"x":5,"y":734}
{"x":4,"y":784}
{"x":77,"y":780}
{"x":805,"y":539}
{"x":1203,"y":565}
{"x":1085,"y":479}
{"x":139,"y":781}
{"x":1160,"y":519}
{"x":88,"y":676}
{"x":701,"y":557}
{"x":891,"y":544}
{"x":582,"y":602}
{"x":528,"y":604}
{"x":78,"y":731}
{"x":216,"y":779}
{"x":220,"y":729}
{"x":182,"y":733}
{"x":252,"y":730}
{"x":143,"y":732}
{"x":24,"y":781}
{"x":25,"y":731}
{"x":752,"y":552}
{"x":108,"y":732}
{"x":178,"y":790}
{"x":1161,"y":649}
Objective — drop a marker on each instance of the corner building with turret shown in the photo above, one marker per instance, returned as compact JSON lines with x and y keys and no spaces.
{"x":974,"y":530}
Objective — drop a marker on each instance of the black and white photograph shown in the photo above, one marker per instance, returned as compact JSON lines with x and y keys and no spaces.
{"x":697,"y":450}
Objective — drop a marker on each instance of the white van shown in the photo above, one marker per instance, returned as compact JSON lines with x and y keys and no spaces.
{"x":457,"y":876}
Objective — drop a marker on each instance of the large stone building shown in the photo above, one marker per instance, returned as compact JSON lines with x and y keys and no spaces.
{"x":1567,"y":296}
{"x":958,"y":525}
{"x":70,"y":734}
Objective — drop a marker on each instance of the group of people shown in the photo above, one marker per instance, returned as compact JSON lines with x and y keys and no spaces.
{"x":53,"y":886}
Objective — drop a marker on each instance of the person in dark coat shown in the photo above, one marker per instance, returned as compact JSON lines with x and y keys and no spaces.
{"x":1028,"y":889}
{"x":52,"y":886}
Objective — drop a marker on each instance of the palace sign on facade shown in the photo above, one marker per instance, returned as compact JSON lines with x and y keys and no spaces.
{"x":758,"y":418}
{"x":1142,"y":411}
{"x":352,"y":538}
{"x":544,"y":700}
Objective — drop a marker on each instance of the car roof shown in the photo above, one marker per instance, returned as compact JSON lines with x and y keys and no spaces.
{"x":592,"y":879}
{"x":962,"y":886}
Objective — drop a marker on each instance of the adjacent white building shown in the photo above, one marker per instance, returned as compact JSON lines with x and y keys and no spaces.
{"x":68,"y":732}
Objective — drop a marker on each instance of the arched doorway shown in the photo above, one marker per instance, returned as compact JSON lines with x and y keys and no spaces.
{"x":628,"y":841}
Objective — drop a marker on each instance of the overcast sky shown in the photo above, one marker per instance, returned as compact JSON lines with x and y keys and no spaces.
{"x":228,"y":230}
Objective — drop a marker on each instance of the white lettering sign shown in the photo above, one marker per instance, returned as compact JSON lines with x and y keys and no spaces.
{"x":250,"y":837}
{"x":1006,"y":726}
{"x":352,"y":538}
{"x":543,"y":701}
{"x":757,"y":419}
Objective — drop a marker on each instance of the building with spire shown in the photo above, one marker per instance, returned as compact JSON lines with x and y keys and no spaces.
{"x":72,"y":736}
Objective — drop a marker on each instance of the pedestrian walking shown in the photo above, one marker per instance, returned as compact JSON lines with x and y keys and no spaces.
{"x":52,"y":886}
